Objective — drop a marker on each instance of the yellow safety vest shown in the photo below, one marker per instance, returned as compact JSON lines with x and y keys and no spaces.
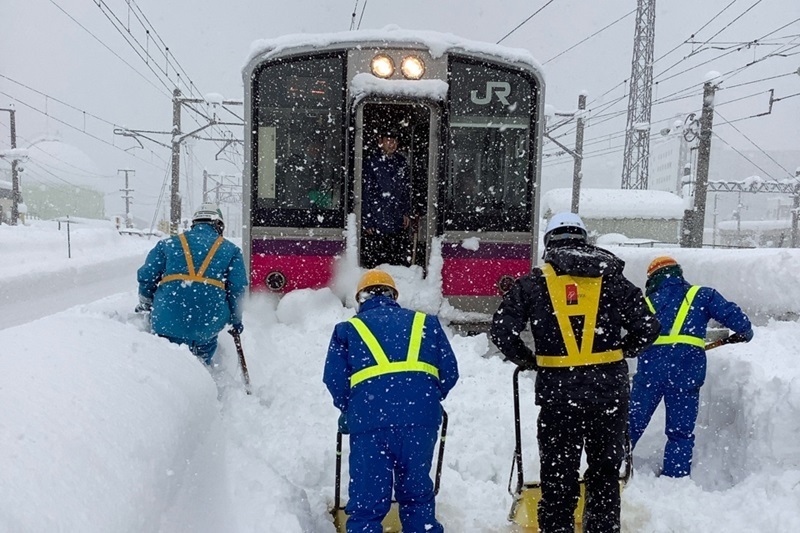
{"x":383,"y":365}
{"x":575,"y":296}
{"x":192,"y":275}
{"x":675,"y":336}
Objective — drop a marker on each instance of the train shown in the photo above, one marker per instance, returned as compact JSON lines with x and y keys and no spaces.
{"x":468,"y":120}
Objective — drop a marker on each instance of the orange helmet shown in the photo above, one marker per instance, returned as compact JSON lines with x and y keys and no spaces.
{"x":376,"y":278}
{"x":660,"y":262}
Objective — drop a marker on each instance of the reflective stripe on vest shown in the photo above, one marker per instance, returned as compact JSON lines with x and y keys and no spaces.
{"x":675,"y":336}
{"x":383,"y":365}
{"x":575,"y":296}
{"x":192,"y":275}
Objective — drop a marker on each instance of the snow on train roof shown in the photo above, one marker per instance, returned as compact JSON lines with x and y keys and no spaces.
{"x":616,"y":203}
{"x":437,"y":43}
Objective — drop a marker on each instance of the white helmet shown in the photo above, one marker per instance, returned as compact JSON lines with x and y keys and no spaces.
{"x":564,"y":226}
{"x":211,"y":213}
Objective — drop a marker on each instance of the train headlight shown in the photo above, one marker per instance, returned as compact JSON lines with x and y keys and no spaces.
{"x":382,"y":66}
{"x":412,"y":67}
{"x":275,"y":280}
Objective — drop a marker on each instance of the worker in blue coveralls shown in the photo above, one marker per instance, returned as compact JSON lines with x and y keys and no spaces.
{"x":388,"y":369}
{"x":386,"y":204}
{"x":674,"y":367}
{"x":193,"y":283}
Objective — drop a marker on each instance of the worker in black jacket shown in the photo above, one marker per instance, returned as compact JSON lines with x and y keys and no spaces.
{"x":577,"y":303}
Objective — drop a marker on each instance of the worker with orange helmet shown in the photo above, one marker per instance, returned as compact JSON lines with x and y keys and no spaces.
{"x":674,"y":367}
{"x":388,"y":369}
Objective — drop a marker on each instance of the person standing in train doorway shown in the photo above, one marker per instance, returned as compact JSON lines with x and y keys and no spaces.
{"x":386,"y":204}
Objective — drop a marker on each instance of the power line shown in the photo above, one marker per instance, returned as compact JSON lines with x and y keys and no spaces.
{"x":34,"y":108}
{"x":353,"y":17}
{"x":363,"y":8}
{"x":628,"y":14}
{"x":744,"y":156}
{"x":108,"y":48}
{"x":504,"y":37}
{"x":751,"y":141}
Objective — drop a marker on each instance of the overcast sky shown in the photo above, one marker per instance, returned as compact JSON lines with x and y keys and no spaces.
{"x":42,"y":47}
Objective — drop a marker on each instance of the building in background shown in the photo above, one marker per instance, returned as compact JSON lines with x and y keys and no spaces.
{"x":59,"y":179}
{"x":632,"y":213}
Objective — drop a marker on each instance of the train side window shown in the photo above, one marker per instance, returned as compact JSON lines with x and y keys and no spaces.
{"x":299,"y":139}
{"x":489,"y":171}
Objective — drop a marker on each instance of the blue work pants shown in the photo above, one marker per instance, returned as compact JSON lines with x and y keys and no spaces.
{"x":385,"y":457}
{"x":681,"y":405}
{"x":203,"y":350}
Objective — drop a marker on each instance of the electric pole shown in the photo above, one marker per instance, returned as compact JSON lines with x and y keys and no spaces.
{"x":637,"y":132}
{"x":15,"y":196}
{"x":694,"y":219}
{"x":577,"y":172}
{"x":127,"y":196}
{"x":175,"y":199}
{"x":795,"y":207}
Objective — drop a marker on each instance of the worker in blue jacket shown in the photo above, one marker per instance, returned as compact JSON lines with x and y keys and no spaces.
{"x":386,"y":211}
{"x":388,"y":369}
{"x":674,"y":367}
{"x":193,"y":283}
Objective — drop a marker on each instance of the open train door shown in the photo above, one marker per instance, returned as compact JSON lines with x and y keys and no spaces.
{"x":416,"y":126}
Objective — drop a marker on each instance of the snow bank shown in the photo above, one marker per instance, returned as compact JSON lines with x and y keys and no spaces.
{"x":107,"y":428}
{"x":616,"y":203}
{"x":762,"y":281}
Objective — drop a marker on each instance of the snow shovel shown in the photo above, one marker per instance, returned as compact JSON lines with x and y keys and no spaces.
{"x":391,"y":522}
{"x":237,"y":340}
{"x":524,"y":508}
{"x":730,"y":339}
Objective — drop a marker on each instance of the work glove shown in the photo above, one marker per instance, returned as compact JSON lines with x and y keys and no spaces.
{"x":745,"y":336}
{"x":237,"y":328}
{"x":145,"y":305}
{"x":343,"y":429}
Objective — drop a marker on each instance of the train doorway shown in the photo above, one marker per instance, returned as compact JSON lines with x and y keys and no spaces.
{"x":397,"y":154}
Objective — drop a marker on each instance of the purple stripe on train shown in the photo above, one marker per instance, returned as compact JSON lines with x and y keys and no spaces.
{"x":297,"y":247}
{"x":494,"y":250}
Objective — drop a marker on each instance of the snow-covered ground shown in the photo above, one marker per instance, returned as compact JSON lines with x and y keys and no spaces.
{"x":107,"y":428}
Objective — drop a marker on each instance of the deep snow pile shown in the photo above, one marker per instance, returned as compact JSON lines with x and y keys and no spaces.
{"x":111,"y":429}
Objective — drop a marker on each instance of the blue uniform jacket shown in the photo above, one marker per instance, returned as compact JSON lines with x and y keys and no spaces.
{"x":387,"y":193}
{"x":684,"y":365}
{"x":390,"y":400}
{"x":190,"y":310}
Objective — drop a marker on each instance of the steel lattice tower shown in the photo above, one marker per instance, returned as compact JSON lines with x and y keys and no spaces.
{"x":637,"y":131}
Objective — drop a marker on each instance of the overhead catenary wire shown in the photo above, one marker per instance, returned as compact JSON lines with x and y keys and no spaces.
{"x":98,"y":39}
{"x":72,"y":126}
{"x":751,"y":141}
{"x":601,"y":30}
{"x":361,"y":18}
{"x":353,"y":16}
{"x":521,"y":24}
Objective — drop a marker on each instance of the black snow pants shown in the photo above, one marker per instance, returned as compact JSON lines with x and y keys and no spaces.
{"x":563,"y":432}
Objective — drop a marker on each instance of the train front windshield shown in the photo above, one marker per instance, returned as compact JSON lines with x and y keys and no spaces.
{"x":489,"y":186}
{"x":299,"y":144}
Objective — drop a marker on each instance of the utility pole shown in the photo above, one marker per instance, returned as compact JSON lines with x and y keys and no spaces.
{"x":15,"y":196}
{"x":205,"y":186}
{"x":175,"y":199}
{"x":127,"y":196}
{"x":577,"y":173}
{"x":795,"y":208}
{"x":694,"y":219}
